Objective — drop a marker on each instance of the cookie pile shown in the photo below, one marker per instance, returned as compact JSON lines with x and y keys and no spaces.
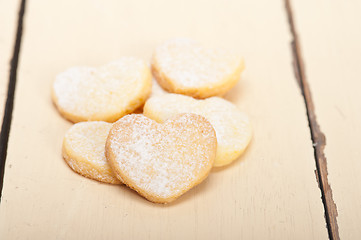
{"x":185,"y":128}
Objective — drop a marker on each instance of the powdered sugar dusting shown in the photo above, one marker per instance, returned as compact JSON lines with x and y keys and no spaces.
{"x":87,"y":139}
{"x":189,"y":64}
{"x":233,"y":128}
{"x":84,"y":151}
{"x":91,"y":92}
{"x":156,"y":89}
{"x":163,"y":160}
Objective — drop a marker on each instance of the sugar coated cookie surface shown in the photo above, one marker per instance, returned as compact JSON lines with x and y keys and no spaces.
{"x":233,"y":128}
{"x":184,"y":66}
{"x":161,"y":161}
{"x":102,"y":94}
{"x":84,"y":151}
{"x":156,"y":89}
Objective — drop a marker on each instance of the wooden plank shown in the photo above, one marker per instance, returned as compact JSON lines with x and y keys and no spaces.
{"x":8,"y":24}
{"x":270,"y":193}
{"x":9,"y":50}
{"x":318,"y":138}
{"x":330,"y":35}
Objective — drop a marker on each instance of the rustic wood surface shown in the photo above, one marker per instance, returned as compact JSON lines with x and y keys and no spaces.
{"x":8,"y":25}
{"x":301,"y":82}
{"x":9,"y":52}
{"x":330,"y":38}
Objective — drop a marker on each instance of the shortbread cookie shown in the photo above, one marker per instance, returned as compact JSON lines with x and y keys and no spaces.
{"x":102,"y":94}
{"x":84,"y":151}
{"x":156,"y":89}
{"x":233,"y":128}
{"x":184,"y":66}
{"x":161,"y":161}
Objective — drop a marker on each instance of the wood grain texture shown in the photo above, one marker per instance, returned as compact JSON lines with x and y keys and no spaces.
{"x":270,"y":193}
{"x":8,"y":24}
{"x":318,"y":137}
{"x":330,"y":37}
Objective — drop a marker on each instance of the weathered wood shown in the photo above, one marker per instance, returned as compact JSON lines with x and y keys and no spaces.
{"x":10,"y":31}
{"x":318,"y":138}
{"x":8,"y":23}
{"x":329,"y":33}
{"x":270,"y":193}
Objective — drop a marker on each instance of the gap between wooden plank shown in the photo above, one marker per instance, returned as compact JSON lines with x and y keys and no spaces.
{"x":5,"y":128}
{"x":318,"y":138}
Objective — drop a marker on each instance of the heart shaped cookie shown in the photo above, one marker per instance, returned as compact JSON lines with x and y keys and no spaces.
{"x":84,"y":151}
{"x":161,"y":161}
{"x":102,"y":94}
{"x":184,"y":66}
{"x":233,"y":128}
{"x":156,"y":89}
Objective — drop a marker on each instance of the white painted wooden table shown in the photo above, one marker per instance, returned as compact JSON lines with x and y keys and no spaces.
{"x":301,"y":81}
